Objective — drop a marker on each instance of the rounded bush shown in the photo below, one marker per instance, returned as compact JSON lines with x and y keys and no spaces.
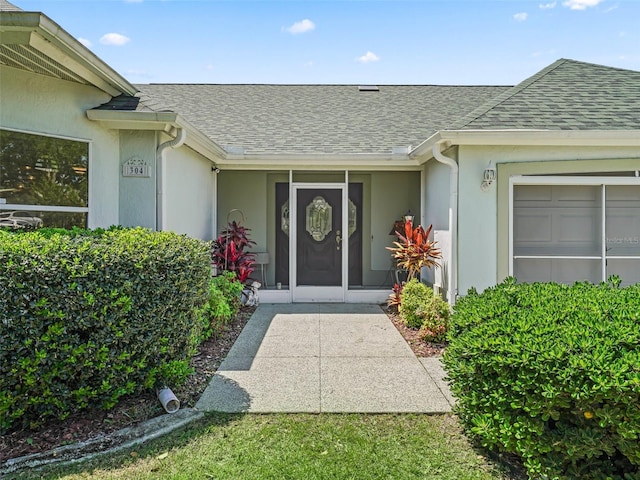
{"x":421,"y":309}
{"x":415,"y":299}
{"x":551,"y":373}
{"x":87,"y":317}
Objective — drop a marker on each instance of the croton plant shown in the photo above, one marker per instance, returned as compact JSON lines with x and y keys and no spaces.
{"x":412,"y":251}
{"x":229,"y":251}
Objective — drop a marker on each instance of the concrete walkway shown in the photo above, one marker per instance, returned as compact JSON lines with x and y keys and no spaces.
{"x":325,"y":358}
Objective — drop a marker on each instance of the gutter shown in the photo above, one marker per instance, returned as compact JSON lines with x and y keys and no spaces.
{"x":38,"y":31}
{"x":161,"y":184}
{"x":452,"y":281}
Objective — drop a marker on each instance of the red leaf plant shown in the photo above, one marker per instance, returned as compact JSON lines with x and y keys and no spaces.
{"x":414,"y":250}
{"x":228,"y":252}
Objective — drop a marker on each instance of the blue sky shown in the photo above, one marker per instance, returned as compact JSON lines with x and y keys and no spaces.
{"x":454,"y":42}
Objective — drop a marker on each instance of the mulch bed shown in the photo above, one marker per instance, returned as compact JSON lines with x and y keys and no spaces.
{"x":135,"y":409}
{"x":130,"y":410}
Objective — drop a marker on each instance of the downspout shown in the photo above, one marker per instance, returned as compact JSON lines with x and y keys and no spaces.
{"x":452,"y":282}
{"x":161,"y":184}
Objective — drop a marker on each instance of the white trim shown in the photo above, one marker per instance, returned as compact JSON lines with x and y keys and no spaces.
{"x":561,"y":257}
{"x":55,"y":208}
{"x":510,"y":220}
{"x":43,"y":208}
{"x":46,"y":134}
{"x":603,"y":230}
{"x":43,"y":34}
{"x":571,"y":180}
{"x":304,"y":293}
{"x":377,"y":296}
{"x":90,"y":188}
{"x":520,"y":137}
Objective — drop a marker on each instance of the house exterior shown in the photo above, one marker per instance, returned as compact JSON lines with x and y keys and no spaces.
{"x":540,"y":180}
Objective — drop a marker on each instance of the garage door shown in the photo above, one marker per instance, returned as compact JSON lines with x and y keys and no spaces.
{"x":567,"y":233}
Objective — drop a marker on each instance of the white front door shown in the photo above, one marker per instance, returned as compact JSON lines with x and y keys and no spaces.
{"x":317,"y":243}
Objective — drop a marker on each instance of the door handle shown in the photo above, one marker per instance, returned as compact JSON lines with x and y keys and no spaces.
{"x":338,"y":239}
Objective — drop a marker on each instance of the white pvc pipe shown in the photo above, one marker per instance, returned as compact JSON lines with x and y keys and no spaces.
{"x":161,"y":183}
{"x":452,"y":287}
{"x":169,"y":401}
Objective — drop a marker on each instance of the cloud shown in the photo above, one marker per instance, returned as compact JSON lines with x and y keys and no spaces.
{"x":85,"y":42}
{"x":133,"y":1}
{"x":581,"y":4}
{"x":114,"y":39}
{"x":308,"y":64}
{"x":368,"y":57}
{"x":303,"y":26}
{"x":520,"y":17}
{"x":548,"y":6}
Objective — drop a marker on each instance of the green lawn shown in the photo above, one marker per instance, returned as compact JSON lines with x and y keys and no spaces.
{"x":299,"y":446}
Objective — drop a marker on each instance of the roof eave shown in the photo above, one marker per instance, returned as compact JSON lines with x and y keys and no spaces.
{"x":571,"y":138}
{"x":43,"y":34}
{"x":320,"y":161}
{"x":166,"y":122}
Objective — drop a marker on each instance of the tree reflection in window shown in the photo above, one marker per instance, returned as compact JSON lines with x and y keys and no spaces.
{"x":38,"y":170}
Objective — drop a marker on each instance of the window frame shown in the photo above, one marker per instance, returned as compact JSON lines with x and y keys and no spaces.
{"x":56,"y":208}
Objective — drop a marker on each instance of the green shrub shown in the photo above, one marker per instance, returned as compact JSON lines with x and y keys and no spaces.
{"x":87,"y":317}
{"x":421,"y":308}
{"x":551,"y":373}
{"x":223,"y":303}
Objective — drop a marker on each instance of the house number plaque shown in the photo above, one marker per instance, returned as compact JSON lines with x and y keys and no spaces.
{"x":136,"y":167}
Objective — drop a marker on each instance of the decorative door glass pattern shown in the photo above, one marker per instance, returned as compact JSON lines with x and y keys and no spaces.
{"x":352,"y":217}
{"x":284,"y":218}
{"x":318,"y":218}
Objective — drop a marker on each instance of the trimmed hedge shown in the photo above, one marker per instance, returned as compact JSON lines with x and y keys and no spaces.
{"x":551,"y":373}
{"x":87,"y":317}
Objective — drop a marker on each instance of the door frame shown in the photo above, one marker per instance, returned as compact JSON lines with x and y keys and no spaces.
{"x":305,"y":293}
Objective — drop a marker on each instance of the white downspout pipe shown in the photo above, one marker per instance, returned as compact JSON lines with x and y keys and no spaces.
{"x":161,"y":184}
{"x":452,"y":282}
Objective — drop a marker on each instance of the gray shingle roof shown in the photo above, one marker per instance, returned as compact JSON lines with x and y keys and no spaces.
{"x":8,"y":7}
{"x":567,"y":95}
{"x":334,"y":119}
{"x":307,"y":119}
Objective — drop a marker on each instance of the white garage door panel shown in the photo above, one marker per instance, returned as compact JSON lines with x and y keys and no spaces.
{"x":556,"y":220}
{"x":557,"y":270}
{"x":579,"y":229}
{"x":628,"y":270}
{"x":623,"y":220}
{"x":531,"y":227}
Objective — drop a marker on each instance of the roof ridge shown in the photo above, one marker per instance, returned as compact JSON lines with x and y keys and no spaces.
{"x":503,"y":97}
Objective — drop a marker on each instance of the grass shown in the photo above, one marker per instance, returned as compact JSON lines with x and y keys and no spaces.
{"x":298,"y":446}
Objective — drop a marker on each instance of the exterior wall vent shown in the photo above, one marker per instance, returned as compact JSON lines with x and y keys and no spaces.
{"x":368,"y":88}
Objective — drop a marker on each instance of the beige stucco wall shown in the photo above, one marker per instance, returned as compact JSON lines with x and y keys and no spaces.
{"x":189,"y":195}
{"x":483,"y":222}
{"x":42,"y":105}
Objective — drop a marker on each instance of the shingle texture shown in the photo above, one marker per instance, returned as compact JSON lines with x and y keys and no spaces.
{"x":340,"y":119}
{"x":567,"y":95}
{"x":307,"y":119}
{"x":8,"y":7}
